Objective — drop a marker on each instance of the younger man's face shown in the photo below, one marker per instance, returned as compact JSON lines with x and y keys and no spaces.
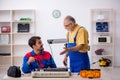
{"x":38,"y":45}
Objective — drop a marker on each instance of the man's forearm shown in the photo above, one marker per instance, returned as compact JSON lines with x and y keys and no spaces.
{"x":66,"y":55}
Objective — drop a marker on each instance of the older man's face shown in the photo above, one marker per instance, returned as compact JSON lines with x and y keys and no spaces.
{"x":68,"y":25}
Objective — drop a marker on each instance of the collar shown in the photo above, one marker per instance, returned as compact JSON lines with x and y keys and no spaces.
{"x":75,"y":27}
{"x":33,"y":53}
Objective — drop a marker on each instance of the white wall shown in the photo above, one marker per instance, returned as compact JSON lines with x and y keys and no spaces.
{"x":48,"y":27}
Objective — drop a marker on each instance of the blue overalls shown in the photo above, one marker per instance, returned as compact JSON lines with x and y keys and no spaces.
{"x":78,"y":60}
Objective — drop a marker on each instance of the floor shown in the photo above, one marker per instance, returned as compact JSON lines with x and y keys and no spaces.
{"x":107,"y":74}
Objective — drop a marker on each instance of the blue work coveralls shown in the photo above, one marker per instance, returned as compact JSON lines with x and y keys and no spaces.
{"x":78,"y":60}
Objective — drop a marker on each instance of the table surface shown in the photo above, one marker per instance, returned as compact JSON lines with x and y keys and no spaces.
{"x":28,"y":77}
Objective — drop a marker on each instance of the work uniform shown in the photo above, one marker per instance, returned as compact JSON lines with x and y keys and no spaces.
{"x":42,"y":60}
{"x":78,"y":59}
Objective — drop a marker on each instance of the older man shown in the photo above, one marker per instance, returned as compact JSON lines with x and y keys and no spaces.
{"x":77,"y":47}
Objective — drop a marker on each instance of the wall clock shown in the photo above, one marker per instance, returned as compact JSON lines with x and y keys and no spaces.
{"x":56,"y":13}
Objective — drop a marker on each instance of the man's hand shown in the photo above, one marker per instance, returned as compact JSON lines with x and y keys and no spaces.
{"x":64,"y":51}
{"x":65,"y":61}
{"x":31,"y":59}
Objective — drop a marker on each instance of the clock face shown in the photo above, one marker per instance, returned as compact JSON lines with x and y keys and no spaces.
{"x":56,"y":13}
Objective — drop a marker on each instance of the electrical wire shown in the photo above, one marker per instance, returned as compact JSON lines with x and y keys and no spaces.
{"x":94,"y":62}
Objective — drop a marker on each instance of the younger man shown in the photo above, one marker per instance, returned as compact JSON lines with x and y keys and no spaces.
{"x":37,"y":58}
